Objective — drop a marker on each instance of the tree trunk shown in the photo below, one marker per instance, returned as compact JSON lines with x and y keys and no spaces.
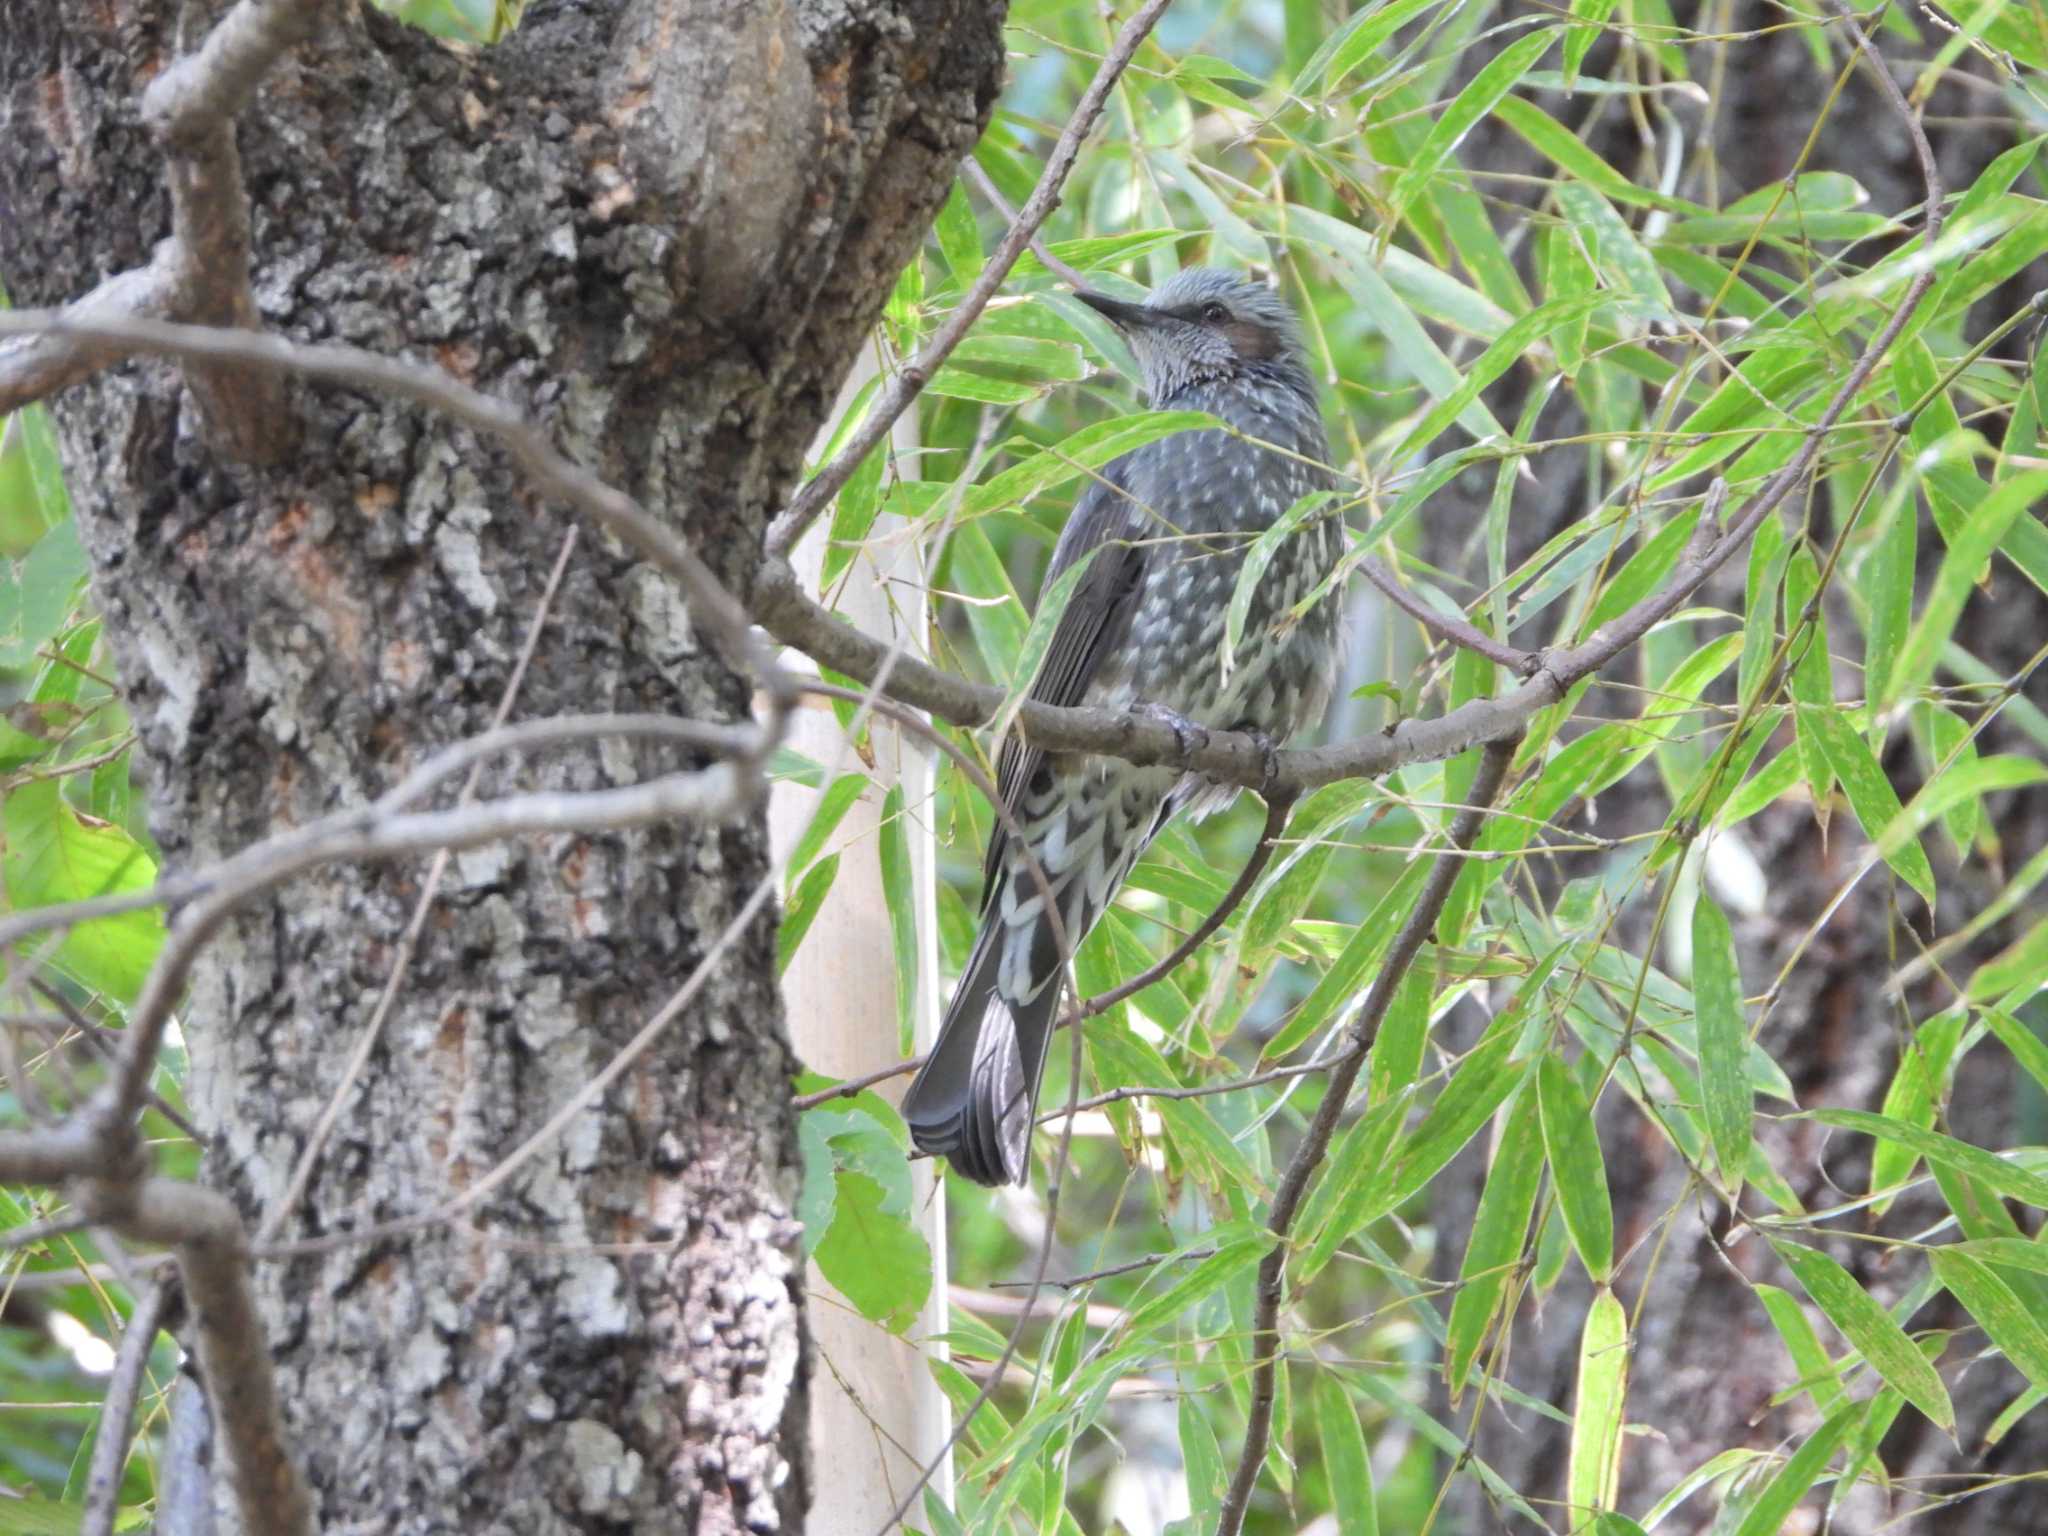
{"x":1706,"y":1364}
{"x":661,"y":229}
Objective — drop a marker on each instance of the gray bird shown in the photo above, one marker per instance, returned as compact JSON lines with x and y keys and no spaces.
{"x":1170,"y":525}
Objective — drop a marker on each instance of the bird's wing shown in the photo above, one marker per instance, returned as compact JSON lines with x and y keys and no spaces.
{"x":1106,"y":519}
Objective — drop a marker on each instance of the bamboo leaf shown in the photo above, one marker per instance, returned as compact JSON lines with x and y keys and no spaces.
{"x":1593,"y":1465}
{"x":1493,"y":81}
{"x":2008,"y":1322}
{"x":1723,"y":1039}
{"x":1345,"y":1463}
{"x":1774,"y":1505}
{"x":1499,"y":1228}
{"x":1577,"y":1172}
{"x":1865,"y":1324}
{"x":1973,"y":1162}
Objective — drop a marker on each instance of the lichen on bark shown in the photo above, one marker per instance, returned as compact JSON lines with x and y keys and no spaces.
{"x":661,"y":229}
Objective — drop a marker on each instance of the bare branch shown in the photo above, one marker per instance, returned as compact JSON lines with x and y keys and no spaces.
{"x":35,"y":367}
{"x":1276,"y":822}
{"x":971,"y":168}
{"x":234,"y":1354}
{"x":555,"y":474}
{"x":202,"y":271}
{"x":817,"y":493}
{"x":117,"y":1413}
{"x":1309,"y":1155}
{"x":1443,"y":625}
{"x":217,"y":82}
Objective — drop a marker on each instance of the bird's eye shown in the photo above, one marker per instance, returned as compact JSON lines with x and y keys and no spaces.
{"x":1215,"y":314}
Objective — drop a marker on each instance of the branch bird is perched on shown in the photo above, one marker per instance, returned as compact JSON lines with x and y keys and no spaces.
{"x":1169,"y":525}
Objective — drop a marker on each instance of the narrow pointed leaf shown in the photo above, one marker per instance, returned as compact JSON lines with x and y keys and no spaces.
{"x":1865,"y":1324}
{"x":1573,"y":1146}
{"x":1593,"y":1470}
{"x":1723,"y":1038}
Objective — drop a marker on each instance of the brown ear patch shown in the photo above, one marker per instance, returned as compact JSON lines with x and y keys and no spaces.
{"x":1253,"y":343}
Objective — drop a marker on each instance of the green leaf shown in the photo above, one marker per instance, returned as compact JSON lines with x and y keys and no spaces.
{"x":1774,"y":1505}
{"x":1870,"y":793}
{"x":1630,"y":269}
{"x":1200,"y":1455}
{"x":37,"y":594}
{"x":55,"y":855}
{"x":1593,"y":1469}
{"x":853,"y":515}
{"x":1493,"y":81}
{"x":1345,"y":1463}
{"x":2009,"y":1323}
{"x":1920,"y":1081}
{"x":2019,"y":967}
{"x":899,"y":893}
{"x":873,"y":1256}
{"x":1723,"y":1039}
{"x":1253,"y":571}
{"x":1499,"y":1228}
{"x":1411,"y":344}
{"x":1567,"y":151}
{"x":1347,"y":973}
{"x":1578,"y":1175}
{"x":2012,"y":1252}
{"x":29,"y":1515}
{"x":1972,"y":546}
{"x":1817,"y":1372}
{"x":1768,"y":555}
{"x":801,"y":910}
{"x":1588,"y":17}
{"x":1088,"y":449}
{"x":2027,"y":1047}
{"x":1887,"y":582}
{"x":832,"y":808}
{"x":1036,"y":357}
{"x":1507,"y":349}
{"x":1974,"y":1162}
{"x":1865,"y":1324}
{"x":959,"y":238}
{"x":1045,"y":623}
{"x":1356,"y":41}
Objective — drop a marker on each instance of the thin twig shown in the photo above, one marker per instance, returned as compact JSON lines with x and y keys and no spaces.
{"x":1443,"y":625}
{"x":234,"y":1351}
{"x":818,"y":491}
{"x":972,"y":169}
{"x":117,"y":1412}
{"x":1129,"y":1266}
{"x":1315,"y":1143}
{"x":1276,"y":822}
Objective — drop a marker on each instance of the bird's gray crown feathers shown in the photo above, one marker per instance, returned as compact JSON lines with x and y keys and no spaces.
{"x":1205,"y":324}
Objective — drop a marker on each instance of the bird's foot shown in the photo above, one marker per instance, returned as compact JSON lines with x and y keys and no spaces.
{"x":1188,"y":735}
{"x":1269,"y":757}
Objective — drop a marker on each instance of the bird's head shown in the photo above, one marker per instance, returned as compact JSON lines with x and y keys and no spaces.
{"x":1203,"y":324}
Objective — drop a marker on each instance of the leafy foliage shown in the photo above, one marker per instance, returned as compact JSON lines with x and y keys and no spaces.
{"x":1679,"y":327}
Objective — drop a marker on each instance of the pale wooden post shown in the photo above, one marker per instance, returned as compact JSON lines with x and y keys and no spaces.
{"x":876,"y":1413}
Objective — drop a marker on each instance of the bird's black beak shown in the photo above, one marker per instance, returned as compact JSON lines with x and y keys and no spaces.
{"x":1116,"y":311}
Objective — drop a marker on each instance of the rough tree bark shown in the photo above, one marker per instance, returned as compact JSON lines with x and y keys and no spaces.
{"x":1707,"y":1362}
{"x":662,"y":228}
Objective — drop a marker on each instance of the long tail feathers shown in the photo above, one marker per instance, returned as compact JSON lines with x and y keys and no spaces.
{"x":974,"y":1100}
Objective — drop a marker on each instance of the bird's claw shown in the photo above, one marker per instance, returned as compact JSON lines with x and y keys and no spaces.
{"x":1269,"y":759}
{"x":1188,"y":735}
